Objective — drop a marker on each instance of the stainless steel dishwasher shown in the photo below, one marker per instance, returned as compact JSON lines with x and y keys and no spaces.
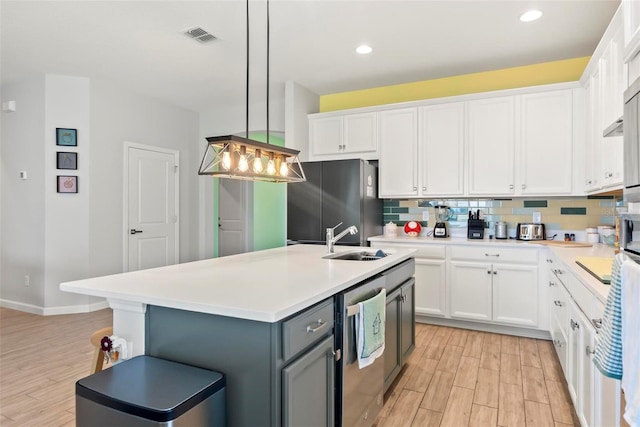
{"x":359,"y":392}
{"x":362,"y":389}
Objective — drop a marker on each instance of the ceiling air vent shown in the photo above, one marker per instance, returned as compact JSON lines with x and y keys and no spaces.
{"x":199,"y":34}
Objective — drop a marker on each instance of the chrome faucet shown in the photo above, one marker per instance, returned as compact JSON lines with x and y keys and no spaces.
{"x":331,"y":240}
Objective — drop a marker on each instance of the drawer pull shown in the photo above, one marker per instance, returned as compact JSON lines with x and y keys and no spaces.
{"x":495,"y":255}
{"x":589,"y":351}
{"x":557,"y":303}
{"x":597,"y":323}
{"x":319,"y":325}
{"x":551,"y":283}
{"x":574,"y":325}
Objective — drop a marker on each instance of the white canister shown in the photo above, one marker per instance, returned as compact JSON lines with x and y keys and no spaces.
{"x":390,"y":230}
{"x":593,"y":237}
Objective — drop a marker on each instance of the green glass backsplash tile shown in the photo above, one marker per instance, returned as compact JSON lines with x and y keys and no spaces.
{"x":573,"y":211}
{"x":386,"y":210}
{"x":400,"y":210}
{"x":535,"y":203}
{"x":607,"y":203}
{"x":391,"y":203}
{"x":424,"y":204}
{"x":599,"y":197}
{"x":607,"y":220}
{"x":389,"y":217}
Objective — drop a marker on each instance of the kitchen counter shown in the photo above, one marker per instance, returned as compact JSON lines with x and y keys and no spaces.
{"x":566,"y":255}
{"x":266,"y":286}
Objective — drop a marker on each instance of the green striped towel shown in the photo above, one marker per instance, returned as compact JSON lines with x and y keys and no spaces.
{"x":608,"y":357}
{"x":370,"y":321}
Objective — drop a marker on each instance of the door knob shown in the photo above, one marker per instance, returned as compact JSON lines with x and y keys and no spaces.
{"x":134,"y":231}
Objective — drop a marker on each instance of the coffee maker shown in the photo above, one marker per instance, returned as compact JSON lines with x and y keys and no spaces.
{"x":443,"y":213}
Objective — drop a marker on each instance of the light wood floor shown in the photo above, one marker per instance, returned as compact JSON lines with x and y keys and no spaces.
{"x":457,"y":377}
{"x":454,"y":377}
{"x":41,"y":358}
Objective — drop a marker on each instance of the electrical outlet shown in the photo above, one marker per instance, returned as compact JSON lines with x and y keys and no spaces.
{"x":425,"y":215}
{"x":537,"y":217}
{"x":26,"y":280}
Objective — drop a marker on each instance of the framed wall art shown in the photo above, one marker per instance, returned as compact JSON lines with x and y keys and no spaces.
{"x":66,"y":160}
{"x":67,"y":184}
{"x":67,"y":137}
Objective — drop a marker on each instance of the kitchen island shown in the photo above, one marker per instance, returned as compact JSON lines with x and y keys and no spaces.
{"x":233,"y":315}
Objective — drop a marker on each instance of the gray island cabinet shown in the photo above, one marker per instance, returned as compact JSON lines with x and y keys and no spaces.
{"x":265,"y":319}
{"x":275,"y":374}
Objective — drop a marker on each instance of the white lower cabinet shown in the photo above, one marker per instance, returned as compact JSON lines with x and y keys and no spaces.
{"x":494,"y":284}
{"x":596,"y":398}
{"x":430,"y":287}
{"x":430,"y":275}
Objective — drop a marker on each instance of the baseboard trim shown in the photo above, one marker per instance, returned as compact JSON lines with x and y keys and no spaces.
{"x":52,"y":311}
{"x":485,"y":327}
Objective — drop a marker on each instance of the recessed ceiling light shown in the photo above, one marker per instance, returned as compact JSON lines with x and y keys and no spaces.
{"x":364,"y":49}
{"x":530,"y":15}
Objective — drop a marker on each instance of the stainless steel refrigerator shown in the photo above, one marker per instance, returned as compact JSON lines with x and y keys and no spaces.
{"x":335,"y":191}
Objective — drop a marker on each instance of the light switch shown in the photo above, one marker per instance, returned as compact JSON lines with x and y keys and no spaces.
{"x":9,"y":106}
{"x":537,"y":217}
{"x":23,"y":174}
{"x":425,"y":215}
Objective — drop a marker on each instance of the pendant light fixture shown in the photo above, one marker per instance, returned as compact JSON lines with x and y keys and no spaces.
{"x":237,"y":157}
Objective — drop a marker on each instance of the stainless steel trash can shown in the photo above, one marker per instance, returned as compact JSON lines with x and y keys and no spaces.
{"x":147,"y":391}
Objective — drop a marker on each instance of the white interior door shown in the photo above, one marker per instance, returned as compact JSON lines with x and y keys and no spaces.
{"x":234,"y":206}
{"x":152,"y":226}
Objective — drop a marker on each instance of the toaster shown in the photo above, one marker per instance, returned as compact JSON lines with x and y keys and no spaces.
{"x":527,"y":231}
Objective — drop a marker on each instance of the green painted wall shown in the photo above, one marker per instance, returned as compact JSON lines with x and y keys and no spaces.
{"x":269,"y":207}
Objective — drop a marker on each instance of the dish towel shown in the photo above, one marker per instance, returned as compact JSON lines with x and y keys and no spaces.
{"x":608,"y":356}
{"x":370,"y":320}
{"x":630,"y":302}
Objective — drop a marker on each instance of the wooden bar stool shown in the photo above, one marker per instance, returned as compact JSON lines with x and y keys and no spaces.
{"x":96,"y":337}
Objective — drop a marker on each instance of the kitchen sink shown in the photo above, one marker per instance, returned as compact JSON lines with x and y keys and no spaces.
{"x":357,"y":256}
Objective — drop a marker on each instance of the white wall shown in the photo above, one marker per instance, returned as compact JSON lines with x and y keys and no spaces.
{"x":225,"y":121}
{"x":299,"y":101}
{"x":59,"y":237}
{"x":23,"y":202}
{"x":66,"y":232}
{"x":117,"y":115}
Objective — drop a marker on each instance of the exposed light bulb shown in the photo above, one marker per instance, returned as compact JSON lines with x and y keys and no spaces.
{"x":257,"y":162}
{"x":243,"y":165}
{"x":364,"y":49}
{"x":271,"y":165}
{"x":284,"y":168}
{"x":226,"y":160}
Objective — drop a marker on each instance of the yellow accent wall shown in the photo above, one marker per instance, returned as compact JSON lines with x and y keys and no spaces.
{"x":567,"y":70}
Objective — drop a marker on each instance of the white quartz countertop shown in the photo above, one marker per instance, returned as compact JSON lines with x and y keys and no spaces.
{"x":266,"y":286}
{"x":566,"y":255}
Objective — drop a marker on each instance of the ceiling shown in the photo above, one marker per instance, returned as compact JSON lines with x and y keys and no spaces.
{"x":140,"y":44}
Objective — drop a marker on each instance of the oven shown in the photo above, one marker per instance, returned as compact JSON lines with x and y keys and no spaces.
{"x":630,"y":234}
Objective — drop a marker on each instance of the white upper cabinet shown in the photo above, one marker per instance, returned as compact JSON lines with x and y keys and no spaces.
{"x":398,"y":165}
{"x":491,"y":146}
{"x":343,"y":136}
{"x":631,"y":11}
{"x":441,"y":150}
{"x":546,"y":141}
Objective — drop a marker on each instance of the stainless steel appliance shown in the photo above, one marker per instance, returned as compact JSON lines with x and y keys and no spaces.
{"x":362,"y":389}
{"x":525,"y":231}
{"x":443,"y":213}
{"x":501,"y":230}
{"x":631,"y":138}
{"x":360,"y":397}
{"x":630,"y":235}
{"x":335,"y":191}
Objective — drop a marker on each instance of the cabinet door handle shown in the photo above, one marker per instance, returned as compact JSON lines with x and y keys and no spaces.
{"x":589,"y":182}
{"x":510,"y":186}
{"x":558,"y":303}
{"x":551,"y":283}
{"x":134,"y":231}
{"x":488,"y":271}
{"x":574,"y":325}
{"x":403,"y":298}
{"x":495,"y":272}
{"x":319,"y":325}
{"x":415,"y":188}
{"x":424,"y":188}
{"x":558,"y":271}
{"x":589,"y":351}
{"x":524,"y":186}
{"x":337,"y":354}
{"x":597,"y":323}
{"x":495,"y":255}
